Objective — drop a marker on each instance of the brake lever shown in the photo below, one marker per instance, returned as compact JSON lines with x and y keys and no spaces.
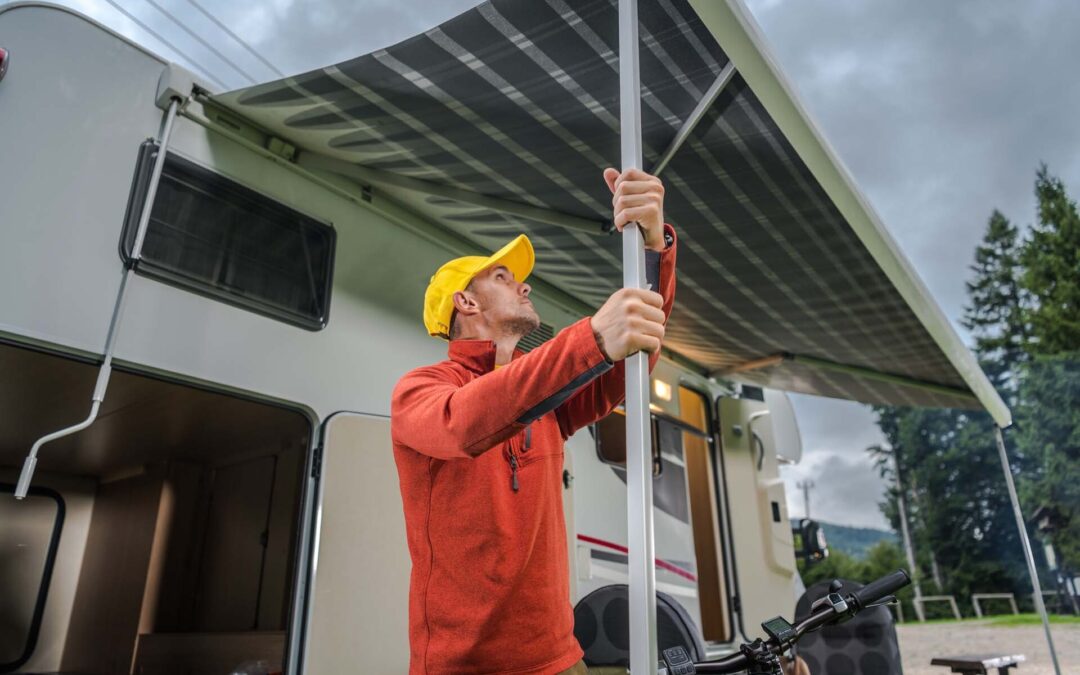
{"x":887,"y":601}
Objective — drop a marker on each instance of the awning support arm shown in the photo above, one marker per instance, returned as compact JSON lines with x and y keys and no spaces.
{"x":1026,"y":542}
{"x":314,"y":161}
{"x":692,"y":121}
{"x":639,"y":498}
{"x":23,"y":486}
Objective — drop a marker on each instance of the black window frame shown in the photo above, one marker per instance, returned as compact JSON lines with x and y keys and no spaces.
{"x":46,"y":573}
{"x":144,"y":165}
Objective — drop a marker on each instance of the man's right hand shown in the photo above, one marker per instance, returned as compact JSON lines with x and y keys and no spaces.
{"x":631,"y":320}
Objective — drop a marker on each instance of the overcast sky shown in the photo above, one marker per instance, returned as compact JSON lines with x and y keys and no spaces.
{"x":942,"y":110}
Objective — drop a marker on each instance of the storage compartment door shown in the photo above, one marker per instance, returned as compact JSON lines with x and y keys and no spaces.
{"x":359,"y":619}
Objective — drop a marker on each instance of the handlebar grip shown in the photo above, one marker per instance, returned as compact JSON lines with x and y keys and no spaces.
{"x":879,"y":588}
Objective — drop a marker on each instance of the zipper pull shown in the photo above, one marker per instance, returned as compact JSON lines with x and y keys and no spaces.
{"x":528,"y":437}
{"x":513,"y":472}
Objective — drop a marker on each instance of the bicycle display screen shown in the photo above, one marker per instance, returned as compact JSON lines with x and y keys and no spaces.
{"x":779,"y":629}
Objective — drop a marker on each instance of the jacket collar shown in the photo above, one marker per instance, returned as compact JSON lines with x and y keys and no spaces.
{"x":476,"y":355}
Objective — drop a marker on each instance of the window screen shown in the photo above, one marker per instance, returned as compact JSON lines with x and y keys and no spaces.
{"x":29,"y":534}
{"x":212,"y":235}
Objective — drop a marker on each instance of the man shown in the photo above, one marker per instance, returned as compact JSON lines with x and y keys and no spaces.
{"x":478,"y":442}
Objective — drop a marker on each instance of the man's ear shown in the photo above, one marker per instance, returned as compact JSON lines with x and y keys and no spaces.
{"x":465,"y":303}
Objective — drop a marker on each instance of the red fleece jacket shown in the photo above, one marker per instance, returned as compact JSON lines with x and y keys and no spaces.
{"x":479,"y":454}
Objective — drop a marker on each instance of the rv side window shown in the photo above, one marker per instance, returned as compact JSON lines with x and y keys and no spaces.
{"x":29,"y":535}
{"x":611,"y":440}
{"x":212,"y":235}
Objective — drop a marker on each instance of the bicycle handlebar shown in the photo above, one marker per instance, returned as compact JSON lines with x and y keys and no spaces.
{"x":852,"y":604}
{"x":879,"y":588}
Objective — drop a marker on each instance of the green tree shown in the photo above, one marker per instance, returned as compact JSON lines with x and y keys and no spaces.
{"x":1049,"y":432}
{"x":1024,"y":315}
{"x":958,"y":512}
{"x":995,"y":313}
{"x":1048,"y":414}
{"x":1051,"y":258}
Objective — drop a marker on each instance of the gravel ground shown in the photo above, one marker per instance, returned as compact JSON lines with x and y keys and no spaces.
{"x":919,"y":644}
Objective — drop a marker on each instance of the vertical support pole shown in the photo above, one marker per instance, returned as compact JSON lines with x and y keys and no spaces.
{"x":1020,"y":525}
{"x":639,"y":502}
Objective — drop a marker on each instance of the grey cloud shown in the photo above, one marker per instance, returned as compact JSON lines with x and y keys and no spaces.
{"x":835,"y":436}
{"x":941,"y":110}
{"x":846,"y":490}
{"x":312,"y":34}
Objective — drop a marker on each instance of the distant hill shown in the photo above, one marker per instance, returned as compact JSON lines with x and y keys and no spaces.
{"x":855,"y":541}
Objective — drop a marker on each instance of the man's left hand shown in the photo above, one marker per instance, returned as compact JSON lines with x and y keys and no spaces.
{"x":638,"y":198}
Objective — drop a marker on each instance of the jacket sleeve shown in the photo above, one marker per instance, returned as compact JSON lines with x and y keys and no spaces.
{"x":601,"y":396}
{"x":436,"y":415}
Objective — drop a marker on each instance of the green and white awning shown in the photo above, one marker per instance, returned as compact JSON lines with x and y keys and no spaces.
{"x":503,"y":118}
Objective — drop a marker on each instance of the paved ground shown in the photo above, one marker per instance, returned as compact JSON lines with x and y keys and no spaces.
{"x":918,"y":644}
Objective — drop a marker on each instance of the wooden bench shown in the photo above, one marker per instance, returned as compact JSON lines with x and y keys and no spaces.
{"x":979,"y":665}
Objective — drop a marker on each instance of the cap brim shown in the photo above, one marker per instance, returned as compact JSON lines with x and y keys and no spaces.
{"x":517,"y":256}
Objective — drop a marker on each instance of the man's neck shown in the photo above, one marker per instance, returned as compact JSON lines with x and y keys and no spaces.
{"x":504,"y":344}
{"x":504,"y":348}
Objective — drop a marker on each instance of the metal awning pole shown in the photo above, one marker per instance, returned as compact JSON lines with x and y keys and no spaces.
{"x":639,"y":503}
{"x":105,"y":371}
{"x":1020,"y":525}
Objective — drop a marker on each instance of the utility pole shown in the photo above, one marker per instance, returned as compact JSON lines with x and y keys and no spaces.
{"x":805,"y":486}
{"x":908,"y":548}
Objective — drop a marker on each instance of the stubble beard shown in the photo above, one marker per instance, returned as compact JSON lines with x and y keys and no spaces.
{"x":521,"y":325}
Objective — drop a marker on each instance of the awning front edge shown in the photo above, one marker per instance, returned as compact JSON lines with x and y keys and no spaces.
{"x":737,"y":32}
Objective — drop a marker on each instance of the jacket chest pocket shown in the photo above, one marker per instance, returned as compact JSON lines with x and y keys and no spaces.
{"x":536,"y":441}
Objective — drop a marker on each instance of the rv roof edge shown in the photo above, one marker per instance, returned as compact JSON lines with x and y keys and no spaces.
{"x":736,"y":31}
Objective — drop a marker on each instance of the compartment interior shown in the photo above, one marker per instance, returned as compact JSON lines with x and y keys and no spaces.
{"x":177,"y":550}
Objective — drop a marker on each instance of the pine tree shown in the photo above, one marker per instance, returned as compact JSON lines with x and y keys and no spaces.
{"x":1052,"y":261}
{"x":995,"y":313}
{"x":1049,"y":410}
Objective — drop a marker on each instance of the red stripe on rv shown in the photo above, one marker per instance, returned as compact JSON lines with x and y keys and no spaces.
{"x":663,"y":564}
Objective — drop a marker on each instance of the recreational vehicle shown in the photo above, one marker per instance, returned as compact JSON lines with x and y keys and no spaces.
{"x":206,"y":298}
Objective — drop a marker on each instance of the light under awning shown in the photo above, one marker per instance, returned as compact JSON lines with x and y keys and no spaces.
{"x":518,"y":100}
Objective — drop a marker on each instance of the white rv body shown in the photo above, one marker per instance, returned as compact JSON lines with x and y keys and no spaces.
{"x":74,"y":108}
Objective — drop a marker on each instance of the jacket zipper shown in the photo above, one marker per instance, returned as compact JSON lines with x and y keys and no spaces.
{"x":514,"y":458}
{"x":513,"y":471}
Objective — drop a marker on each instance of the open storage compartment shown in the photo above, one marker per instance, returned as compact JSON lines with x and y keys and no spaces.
{"x":179,"y":552}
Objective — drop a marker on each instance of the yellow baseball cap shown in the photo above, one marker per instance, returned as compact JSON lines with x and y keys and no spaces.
{"x":454,"y":276}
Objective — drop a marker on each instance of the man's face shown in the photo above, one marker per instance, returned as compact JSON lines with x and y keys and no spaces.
{"x":504,"y":302}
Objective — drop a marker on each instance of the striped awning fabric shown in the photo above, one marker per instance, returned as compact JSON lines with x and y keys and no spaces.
{"x":519,"y":100}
